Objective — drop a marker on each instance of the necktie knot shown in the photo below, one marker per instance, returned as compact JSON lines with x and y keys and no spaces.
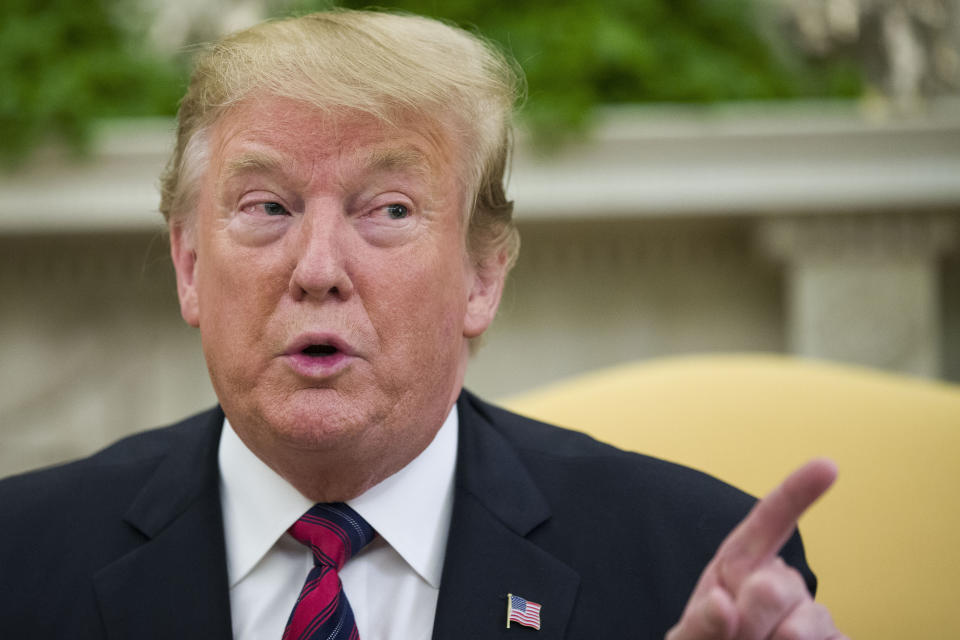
{"x":334,"y":532}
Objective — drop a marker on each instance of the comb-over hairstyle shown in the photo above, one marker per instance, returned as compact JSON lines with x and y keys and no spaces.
{"x":394,"y":67}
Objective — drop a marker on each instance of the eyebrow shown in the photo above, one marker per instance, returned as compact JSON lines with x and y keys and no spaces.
{"x":407,"y":158}
{"x":251,"y":163}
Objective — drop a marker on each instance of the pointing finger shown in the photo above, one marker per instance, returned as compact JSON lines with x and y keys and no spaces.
{"x":771,"y":522}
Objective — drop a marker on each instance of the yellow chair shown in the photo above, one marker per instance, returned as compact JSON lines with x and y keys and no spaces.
{"x":882,"y":542}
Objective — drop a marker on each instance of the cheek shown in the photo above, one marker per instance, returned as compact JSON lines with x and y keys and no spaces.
{"x":444,"y":299}
{"x":237,"y":289}
{"x":419,"y":303}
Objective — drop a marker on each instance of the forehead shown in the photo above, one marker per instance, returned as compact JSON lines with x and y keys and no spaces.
{"x":279,"y":134}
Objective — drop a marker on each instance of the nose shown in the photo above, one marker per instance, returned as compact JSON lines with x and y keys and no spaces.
{"x":321,"y":270}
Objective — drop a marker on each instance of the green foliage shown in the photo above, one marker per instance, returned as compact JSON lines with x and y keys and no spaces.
{"x":64,"y":64}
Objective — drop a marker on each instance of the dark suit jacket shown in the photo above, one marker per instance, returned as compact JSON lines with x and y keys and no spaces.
{"x":129,"y":542}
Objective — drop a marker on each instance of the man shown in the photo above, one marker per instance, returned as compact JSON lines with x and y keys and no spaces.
{"x":340,"y":235}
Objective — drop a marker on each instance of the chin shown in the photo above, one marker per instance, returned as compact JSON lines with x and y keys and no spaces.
{"x":321,"y":420}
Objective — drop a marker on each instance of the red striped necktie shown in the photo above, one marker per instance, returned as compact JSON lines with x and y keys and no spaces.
{"x":334,"y":532}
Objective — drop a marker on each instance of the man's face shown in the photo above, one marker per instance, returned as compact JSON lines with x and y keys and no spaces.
{"x":326,"y":269}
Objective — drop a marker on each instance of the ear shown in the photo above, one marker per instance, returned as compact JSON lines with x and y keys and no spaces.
{"x":184,"y":253}
{"x":484,"y":294}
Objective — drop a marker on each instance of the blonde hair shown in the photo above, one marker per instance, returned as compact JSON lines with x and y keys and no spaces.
{"x":391,"y":66}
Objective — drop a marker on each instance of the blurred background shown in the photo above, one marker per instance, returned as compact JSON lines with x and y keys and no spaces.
{"x":693,"y":176}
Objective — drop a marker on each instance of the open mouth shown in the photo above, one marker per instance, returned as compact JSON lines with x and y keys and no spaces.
{"x":319,"y":350}
{"x":319,"y":355}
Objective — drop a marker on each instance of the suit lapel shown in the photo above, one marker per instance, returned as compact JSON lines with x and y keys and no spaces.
{"x":175,"y":584}
{"x":496,"y":505}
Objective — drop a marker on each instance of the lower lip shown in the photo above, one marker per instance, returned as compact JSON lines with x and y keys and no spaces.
{"x":318,"y":366}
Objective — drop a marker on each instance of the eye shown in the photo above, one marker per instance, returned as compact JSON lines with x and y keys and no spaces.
{"x":397,"y":211}
{"x":274,"y":209}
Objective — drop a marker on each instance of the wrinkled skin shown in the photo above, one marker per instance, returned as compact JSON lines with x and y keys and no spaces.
{"x":339,"y":229}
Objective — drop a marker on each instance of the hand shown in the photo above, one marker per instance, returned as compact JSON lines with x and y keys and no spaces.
{"x":747,"y":592}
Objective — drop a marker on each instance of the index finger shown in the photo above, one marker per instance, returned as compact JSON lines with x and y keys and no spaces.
{"x":771,"y":522}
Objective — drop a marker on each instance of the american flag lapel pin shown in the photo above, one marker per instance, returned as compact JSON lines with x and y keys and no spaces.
{"x":522,"y":611}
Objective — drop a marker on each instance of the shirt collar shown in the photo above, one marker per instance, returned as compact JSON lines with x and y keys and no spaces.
{"x":410,"y":510}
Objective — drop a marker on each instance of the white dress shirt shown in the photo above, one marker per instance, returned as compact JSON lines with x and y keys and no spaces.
{"x":392,"y":584}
